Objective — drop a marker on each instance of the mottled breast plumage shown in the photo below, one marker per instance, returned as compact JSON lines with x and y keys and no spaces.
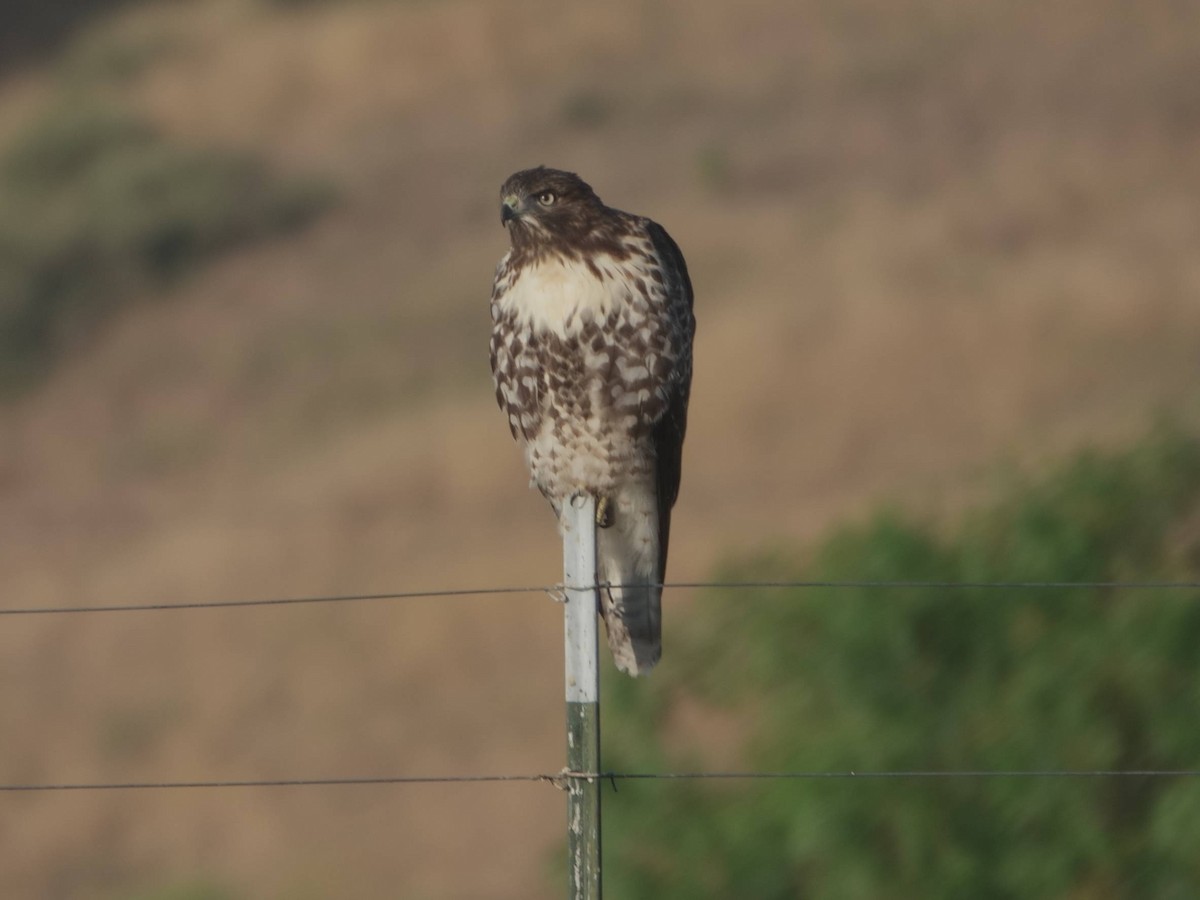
{"x":592,"y":344}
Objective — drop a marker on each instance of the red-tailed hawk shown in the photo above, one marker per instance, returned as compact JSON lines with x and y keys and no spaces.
{"x":592,"y":360}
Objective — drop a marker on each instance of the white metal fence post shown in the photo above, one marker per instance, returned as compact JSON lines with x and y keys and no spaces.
{"x":583,"y":696}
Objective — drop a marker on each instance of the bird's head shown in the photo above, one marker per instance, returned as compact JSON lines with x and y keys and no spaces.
{"x":543,"y":205}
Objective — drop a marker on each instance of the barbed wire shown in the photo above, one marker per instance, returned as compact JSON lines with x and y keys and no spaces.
{"x":560,"y":779}
{"x":556,"y":589}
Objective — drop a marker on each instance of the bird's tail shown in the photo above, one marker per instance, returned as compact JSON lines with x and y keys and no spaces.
{"x":629,"y":559}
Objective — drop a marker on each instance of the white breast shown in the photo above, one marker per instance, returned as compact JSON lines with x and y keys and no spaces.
{"x":561,"y":295}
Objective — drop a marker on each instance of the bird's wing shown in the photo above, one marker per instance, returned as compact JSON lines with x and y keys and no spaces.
{"x":670,"y":428}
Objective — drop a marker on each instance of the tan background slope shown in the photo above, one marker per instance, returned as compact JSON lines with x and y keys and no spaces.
{"x":923,"y":242}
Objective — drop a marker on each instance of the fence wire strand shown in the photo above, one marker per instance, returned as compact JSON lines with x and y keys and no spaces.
{"x":559,"y":779}
{"x":553,"y":589}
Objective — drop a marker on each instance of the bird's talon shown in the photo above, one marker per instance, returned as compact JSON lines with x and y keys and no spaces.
{"x":603,"y":512}
{"x":557,"y":593}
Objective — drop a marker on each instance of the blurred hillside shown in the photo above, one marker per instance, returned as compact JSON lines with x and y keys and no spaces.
{"x":924,"y":239}
{"x":38,"y":28}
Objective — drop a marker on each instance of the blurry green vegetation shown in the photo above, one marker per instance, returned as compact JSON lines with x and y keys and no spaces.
{"x":96,"y":208}
{"x":101,"y":58}
{"x":940,"y":679}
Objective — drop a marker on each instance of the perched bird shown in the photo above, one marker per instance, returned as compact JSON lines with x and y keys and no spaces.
{"x":591,"y":356}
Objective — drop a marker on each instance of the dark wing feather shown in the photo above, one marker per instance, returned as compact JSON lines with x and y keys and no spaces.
{"x":669,"y":430}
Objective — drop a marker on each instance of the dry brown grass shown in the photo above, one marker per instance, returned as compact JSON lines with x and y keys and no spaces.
{"x":924,"y":239}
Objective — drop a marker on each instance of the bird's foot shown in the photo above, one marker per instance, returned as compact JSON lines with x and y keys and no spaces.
{"x":557,"y":593}
{"x":603,"y":512}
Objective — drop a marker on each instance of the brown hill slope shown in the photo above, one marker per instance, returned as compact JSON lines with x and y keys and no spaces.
{"x":923,"y":240}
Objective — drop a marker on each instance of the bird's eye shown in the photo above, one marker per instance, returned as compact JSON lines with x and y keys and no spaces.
{"x":547,"y":198}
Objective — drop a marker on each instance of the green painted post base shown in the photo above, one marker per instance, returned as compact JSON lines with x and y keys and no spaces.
{"x":583,"y":801}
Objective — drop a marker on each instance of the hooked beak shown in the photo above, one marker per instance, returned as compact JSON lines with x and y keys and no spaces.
{"x":508,"y":209}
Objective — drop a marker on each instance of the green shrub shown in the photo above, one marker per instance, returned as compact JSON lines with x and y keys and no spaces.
{"x":104,"y":57}
{"x":941,"y":679}
{"x":96,"y":208}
